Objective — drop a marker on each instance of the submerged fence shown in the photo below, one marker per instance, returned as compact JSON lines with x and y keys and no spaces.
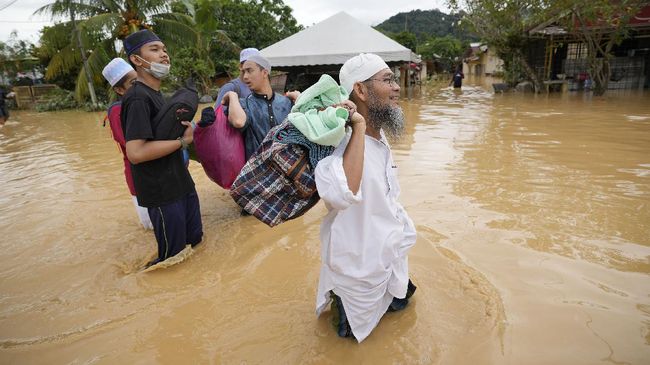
{"x":27,"y":96}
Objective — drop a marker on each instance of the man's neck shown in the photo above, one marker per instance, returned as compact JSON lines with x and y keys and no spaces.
{"x":265,"y":90}
{"x":372,"y":132}
{"x":148,"y":79}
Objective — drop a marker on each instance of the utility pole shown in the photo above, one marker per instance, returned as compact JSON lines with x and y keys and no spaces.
{"x":89,"y":78}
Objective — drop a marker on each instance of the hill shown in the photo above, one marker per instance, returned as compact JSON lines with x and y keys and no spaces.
{"x":426,"y":23}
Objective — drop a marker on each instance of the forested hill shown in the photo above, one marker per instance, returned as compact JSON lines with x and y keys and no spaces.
{"x":426,"y":23}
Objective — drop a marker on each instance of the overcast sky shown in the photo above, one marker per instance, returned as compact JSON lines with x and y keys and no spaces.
{"x":17,"y":14}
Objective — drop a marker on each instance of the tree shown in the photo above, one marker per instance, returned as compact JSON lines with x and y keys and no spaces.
{"x":425,"y":24}
{"x":503,"y":24}
{"x":16,"y":56}
{"x":255,"y":23}
{"x":189,"y":63}
{"x":97,"y":24}
{"x":601,"y":25}
{"x":227,"y":26}
{"x":406,"y":39}
{"x":446,"y":49}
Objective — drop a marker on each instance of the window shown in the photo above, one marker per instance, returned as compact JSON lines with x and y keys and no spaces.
{"x":576,"y":51}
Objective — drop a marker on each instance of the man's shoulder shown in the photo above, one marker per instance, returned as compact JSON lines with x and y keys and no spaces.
{"x":281,"y":99}
{"x":116,"y":107}
{"x":138,"y":91}
{"x":228,"y":86}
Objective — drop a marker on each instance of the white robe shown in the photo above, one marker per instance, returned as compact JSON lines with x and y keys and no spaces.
{"x":364,"y":237}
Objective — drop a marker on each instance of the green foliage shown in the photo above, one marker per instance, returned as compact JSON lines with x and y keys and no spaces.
{"x":227,"y":26}
{"x":427,"y":23}
{"x":58,"y":99}
{"x":513,"y":70}
{"x":186,"y":63}
{"x":600,"y":25}
{"x":254,"y":23}
{"x":504,"y":25}
{"x":99,"y":23}
{"x":17,"y":55}
{"x":406,"y":39}
{"x":447,"y":50}
{"x":211,"y":31}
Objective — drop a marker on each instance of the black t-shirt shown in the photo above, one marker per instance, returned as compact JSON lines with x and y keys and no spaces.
{"x":161,"y":181}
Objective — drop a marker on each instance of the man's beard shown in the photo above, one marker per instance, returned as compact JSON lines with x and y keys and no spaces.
{"x":386,"y":117}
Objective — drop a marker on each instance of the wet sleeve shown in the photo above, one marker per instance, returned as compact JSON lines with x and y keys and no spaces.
{"x":332,"y":184}
{"x":137,"y":120}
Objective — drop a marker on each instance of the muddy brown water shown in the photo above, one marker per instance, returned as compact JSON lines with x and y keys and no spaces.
{"x":533,"y":217}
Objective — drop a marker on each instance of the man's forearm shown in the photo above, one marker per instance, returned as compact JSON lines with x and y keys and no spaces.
{"x":236,"y":115}
{"x":353,"y":157}
{"x":140,"y":150}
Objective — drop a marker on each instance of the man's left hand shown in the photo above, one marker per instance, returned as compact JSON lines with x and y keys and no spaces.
{"x":293,"y":95}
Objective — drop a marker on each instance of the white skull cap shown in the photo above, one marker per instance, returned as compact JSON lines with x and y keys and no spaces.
{"x":115,"y":70}
{"x":360,"y":68}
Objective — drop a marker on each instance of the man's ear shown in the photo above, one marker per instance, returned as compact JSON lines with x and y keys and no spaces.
{"x":360,"y":90}
{"x":135,"y":60}
{"x":119,"y":90}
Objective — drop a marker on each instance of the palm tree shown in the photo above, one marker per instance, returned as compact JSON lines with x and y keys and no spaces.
{"x":93,"y":29}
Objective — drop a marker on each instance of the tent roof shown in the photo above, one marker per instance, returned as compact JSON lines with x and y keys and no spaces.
{"x":332,"y":42}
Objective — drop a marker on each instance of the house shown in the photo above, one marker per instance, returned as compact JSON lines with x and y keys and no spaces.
{"x":557,"y":54}
{"x":480,"y":60}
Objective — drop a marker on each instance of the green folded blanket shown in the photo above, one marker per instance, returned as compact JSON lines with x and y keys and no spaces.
{"x":314,"y":116}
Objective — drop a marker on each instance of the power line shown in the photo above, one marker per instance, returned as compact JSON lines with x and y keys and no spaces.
{"x":3,"y":7}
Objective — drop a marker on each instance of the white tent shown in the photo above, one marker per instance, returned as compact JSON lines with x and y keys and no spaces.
{"x":332,"y":42}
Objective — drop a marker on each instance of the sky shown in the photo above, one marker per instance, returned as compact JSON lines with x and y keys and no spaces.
{"x":18,"y":14}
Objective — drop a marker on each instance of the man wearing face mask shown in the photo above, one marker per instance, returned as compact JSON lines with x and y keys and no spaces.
{"x":162,"y":182}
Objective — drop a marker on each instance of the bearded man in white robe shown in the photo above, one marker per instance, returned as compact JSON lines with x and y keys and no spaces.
{"x":366,"y":234}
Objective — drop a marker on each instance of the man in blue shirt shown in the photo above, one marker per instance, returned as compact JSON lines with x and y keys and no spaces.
{"x":260,"y":111}
{"x":237,"y":85}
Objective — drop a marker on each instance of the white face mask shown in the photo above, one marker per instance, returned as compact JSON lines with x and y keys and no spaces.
{"x":158,"y":70}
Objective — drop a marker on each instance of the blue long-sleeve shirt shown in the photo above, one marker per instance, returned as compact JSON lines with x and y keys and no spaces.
{"x":262,"y":114}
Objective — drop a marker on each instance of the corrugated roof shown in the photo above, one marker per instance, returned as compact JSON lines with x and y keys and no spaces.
{"x":332,"y":42}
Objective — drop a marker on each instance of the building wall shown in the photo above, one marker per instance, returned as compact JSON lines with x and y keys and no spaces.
{"x":493,"y":64}
{"x":487,"y":64}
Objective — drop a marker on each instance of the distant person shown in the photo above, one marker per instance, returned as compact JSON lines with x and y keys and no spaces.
{"x":457,"y":78}
{"x":162,"y":182}
{"x":260,"y":111}
{"x":120,"y":75}
{"x":238,"y":85}
{"x":4,"y":111}
{"x":366,"y":234}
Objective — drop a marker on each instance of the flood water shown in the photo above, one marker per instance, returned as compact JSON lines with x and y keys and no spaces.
{"x":533,"y":218}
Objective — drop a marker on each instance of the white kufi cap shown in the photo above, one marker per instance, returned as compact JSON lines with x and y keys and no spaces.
{"x":115,"y":70}
{"x":360,"y":68}
{"x":260,"y":60}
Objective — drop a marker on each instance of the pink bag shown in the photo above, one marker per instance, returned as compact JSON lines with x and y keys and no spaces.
{"x":220,"y":148}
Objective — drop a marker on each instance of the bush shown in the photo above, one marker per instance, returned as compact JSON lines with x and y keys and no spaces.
{"x":59,"y":99}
